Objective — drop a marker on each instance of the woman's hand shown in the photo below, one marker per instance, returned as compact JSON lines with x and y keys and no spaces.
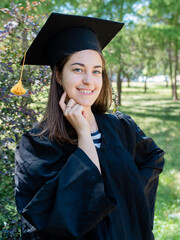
{"x":75,"y":114}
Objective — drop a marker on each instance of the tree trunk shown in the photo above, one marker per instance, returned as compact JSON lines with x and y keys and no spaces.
{"x":174,"y":91}
{"x":170,"y":68}
{"x":127,"y":77}
{"x":175,"y":96}
{"x":145,"y":84}
{"x":165,"y":66}
{"x":167,"y":83}
{"x":128,"y":80}
{"x":119,"y":86}
{"x":119,"y":80}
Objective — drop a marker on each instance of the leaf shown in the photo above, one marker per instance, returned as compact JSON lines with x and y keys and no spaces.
{"x":5,"y":10}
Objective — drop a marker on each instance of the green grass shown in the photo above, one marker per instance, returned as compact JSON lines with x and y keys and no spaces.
{"x":159,"y":117}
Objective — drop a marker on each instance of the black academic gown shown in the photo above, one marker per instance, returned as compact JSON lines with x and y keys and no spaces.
{"x":61,"y":194}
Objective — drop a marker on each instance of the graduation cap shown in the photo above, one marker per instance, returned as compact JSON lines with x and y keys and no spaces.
{"x":64,"y":34}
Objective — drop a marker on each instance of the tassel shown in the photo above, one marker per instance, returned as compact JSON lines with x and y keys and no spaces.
{"x":18,"y":89}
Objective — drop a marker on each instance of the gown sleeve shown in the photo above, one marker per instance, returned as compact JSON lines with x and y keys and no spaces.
{"x":58,"y":194}
{"x":148,"y":157}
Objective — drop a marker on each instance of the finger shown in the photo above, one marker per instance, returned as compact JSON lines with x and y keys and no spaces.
{"x":62,"y":101}
{"x":77,"y":110}
{"x":84,"y":114}
{"x":71,"y":103}
{"x":67,"y":111}
{"x":74,"y":108}
{"x":82,"y":110}
{"x":70,"y":110}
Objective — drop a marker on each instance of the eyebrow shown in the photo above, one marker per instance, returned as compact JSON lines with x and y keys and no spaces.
{"x":81,"y":64}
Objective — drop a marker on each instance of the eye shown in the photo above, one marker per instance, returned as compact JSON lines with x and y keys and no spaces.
{"x":97,"y":71}
{"x":77,"y":70}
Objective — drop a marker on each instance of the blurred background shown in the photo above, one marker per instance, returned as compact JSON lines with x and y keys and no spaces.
{"x":143,"y":66}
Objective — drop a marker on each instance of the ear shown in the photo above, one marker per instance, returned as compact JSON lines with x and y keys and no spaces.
{"x":58,"y":77}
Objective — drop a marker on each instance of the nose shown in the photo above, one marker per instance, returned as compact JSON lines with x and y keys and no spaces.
{"x":87,"y":79}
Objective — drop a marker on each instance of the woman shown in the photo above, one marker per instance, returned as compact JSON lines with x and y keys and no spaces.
{"x":83,"y":174}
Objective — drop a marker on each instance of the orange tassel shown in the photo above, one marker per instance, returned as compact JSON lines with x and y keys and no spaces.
{"x":18,"y":89}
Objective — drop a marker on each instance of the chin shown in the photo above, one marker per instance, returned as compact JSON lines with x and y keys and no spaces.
{"x":85,"y":105}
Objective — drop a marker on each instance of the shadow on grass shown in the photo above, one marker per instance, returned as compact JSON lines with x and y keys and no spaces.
{"x":163,"y":113}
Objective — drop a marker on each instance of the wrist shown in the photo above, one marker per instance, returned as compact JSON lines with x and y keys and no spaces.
{"x":84,"y":133}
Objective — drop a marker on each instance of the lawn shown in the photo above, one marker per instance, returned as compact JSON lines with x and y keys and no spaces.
{"x":159,"y":117}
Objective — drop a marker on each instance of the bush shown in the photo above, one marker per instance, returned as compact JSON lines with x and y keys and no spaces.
{"x":17,"y":115}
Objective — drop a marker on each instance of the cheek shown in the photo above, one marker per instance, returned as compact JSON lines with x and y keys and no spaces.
{"x":67,"y":82}
{"x":69,"y":87}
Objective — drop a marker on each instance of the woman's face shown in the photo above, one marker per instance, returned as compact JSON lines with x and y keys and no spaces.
{"x":81,"y":77}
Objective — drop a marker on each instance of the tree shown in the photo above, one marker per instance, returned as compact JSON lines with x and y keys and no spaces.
{"x":164,"y":20}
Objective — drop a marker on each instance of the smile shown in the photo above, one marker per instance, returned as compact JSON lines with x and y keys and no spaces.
{"x":83,"y":91}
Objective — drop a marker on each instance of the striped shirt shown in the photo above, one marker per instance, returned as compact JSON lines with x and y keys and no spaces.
{"x":96,"y":136}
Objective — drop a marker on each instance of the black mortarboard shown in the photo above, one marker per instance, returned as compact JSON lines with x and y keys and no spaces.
{"x":64,"y":34}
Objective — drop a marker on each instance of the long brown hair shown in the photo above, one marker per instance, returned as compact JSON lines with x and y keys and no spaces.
{"x":54,"y":124}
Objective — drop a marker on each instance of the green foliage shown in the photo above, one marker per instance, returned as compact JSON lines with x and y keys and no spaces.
{"x":163,"y":29}
{"x":17,"y":116}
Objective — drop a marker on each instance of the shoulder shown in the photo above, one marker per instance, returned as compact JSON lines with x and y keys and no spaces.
{"x":37,"y":155}
{"x":118,"y":123}
{"x":120,"y":118}
{"x":40,"y":145}
{"x":124,"y":118}
{"x":33,"y":136}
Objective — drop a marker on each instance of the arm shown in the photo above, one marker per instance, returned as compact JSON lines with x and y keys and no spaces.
{"x":148,"y":157}
{"x":75,"y":114}
{"x":85,"y":142}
